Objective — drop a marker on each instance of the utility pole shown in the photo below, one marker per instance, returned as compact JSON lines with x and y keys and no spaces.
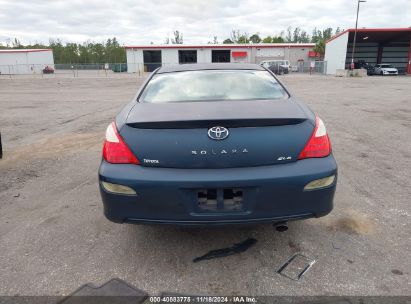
{"x":1,"y":148}
{"x":355,"y":34}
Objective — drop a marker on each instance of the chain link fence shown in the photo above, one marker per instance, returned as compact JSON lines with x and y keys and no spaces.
{"x":79,"y":70}
{"x":116,"y":69}
{"x":317,"y":67}
{"x":69,"y":70}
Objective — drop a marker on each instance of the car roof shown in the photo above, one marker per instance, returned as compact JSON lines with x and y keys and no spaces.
{"x":209,"y":66}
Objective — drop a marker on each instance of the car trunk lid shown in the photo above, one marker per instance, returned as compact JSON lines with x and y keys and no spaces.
{"x":175,"y":135}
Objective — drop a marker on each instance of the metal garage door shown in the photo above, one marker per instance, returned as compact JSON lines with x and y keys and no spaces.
{"x":367,"y":52}
{"x":397,"y":55}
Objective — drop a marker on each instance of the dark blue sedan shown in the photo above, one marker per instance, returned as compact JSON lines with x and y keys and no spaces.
{"x":208,"y":144}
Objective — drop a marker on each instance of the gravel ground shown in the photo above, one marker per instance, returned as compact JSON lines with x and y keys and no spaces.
{"x":54,"y":237}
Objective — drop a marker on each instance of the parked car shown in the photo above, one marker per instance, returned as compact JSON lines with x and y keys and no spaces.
{"x":220,"y":143}
{"x":385,"y":69}
{"x":370,"y":70}
{"x":48,"y":70}
{"x":277,"y":66}
{"x":362,"y":64}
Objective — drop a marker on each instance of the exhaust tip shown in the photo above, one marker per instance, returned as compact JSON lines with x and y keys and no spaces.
{"x":281,"y":227}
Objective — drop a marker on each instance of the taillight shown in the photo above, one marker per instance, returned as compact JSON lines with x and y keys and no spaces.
{"x":319,"y":144}
{"x":115,"y":150}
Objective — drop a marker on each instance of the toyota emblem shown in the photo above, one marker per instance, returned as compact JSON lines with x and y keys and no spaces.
{"x":218,"y":133}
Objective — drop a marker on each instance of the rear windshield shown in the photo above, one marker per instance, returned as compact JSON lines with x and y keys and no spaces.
{"x":212,"y":85}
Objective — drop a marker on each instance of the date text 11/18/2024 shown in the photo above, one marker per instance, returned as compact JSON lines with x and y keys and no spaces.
{"x":203,"y":299}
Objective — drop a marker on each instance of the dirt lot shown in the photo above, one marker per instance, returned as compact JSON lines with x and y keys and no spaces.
{"x":54,"y":237}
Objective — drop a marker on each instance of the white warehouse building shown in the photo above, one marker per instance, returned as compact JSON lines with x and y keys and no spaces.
{"x":25,"y":61}
{"x":148,"y":58}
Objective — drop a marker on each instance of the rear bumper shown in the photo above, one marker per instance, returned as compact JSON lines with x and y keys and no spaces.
{"x":169,"y":196}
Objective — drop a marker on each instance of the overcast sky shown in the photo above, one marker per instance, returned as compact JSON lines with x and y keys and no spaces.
{"x":136,"y":22}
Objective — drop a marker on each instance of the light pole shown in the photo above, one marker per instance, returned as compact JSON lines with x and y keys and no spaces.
{"x":355,"y":34}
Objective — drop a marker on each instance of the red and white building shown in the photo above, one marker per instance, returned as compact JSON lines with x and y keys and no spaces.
{"x":373,"y":45}
{"x":25,"y":61}
{"x":148,"y":57}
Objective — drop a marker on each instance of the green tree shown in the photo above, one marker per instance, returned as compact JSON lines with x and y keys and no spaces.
{"x":304,"y":37}
{"x":296,"y":35}
{"x":243,"y":39}
{"x":267,"y":39}
{"x":255,"y":38}
{"x":278,"y":39}
{"x":58,"y":50}
{"x":327,"y":33}
{"x":320,"y":48}
{"x":316,"y":35}
{"x":71,"y":53}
